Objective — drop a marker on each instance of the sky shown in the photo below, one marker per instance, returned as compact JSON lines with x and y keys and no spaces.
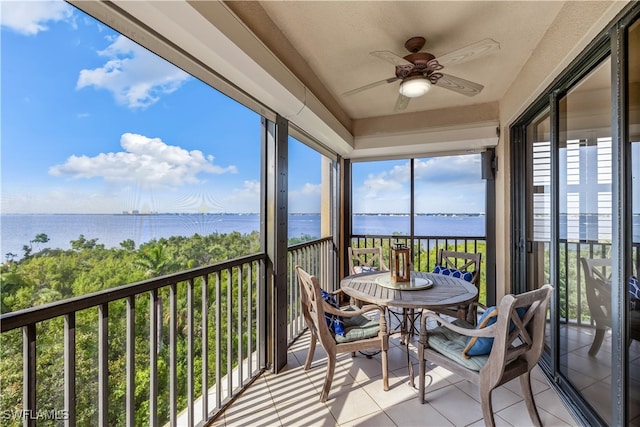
{"x":94,"y":123}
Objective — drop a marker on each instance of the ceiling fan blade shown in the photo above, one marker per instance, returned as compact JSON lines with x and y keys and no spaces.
{"x":456,"y":84}
{"x":391,"y":57}
{"x":369,"y":86}
{"x":467,"y":53}
{"x":401,"y":103}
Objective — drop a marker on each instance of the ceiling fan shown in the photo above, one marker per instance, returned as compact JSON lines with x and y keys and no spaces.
{"x":418,"y":71}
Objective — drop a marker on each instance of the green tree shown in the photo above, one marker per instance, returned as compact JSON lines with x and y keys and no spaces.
{"x":128,"y":245}
{"x":154,"y":260}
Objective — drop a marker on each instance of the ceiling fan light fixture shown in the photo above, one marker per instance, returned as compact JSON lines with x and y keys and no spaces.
{"x":414,"y":87}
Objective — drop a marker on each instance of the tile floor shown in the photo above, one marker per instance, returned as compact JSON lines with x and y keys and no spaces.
{"x":291,"y":398}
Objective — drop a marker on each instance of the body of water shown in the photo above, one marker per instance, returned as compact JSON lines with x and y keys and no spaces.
{"x":112,"y":229}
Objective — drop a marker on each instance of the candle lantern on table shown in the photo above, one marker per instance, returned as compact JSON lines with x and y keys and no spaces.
{"x":400,"y":258}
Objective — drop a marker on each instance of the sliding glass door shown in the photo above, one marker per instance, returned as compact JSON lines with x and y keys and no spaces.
{"x":585,"y":219}
{"x":633,"y":132}
{"x":576,"y":158}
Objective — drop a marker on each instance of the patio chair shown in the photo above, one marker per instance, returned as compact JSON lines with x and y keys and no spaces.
{"x":507,"y":343}
{"x":362,"y":260}
{"x":464,"y":265}
{"x":597,"y":275}
{"x":356,"y":332}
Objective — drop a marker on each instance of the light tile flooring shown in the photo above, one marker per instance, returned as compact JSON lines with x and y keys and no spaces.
{"x":291,"y":398}
{"x":591,"y":375}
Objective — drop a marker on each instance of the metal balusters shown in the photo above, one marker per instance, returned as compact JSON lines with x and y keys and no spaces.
{"x":131,"y":362}
{"x":173,"y":362}
{"x":229,"y":332}
{"x":250,"y":319}
{"x":153,"y":357}
{"x":103,"y":365}
{"x":190,"y":352}
{"x":230,"y":374}
{"x":70,"y":368}
{"x":29,"y":372}
{"x":205,"y":346}
{"x":218,"y":323}
{"x":261,"y":313}
{"x":239,"y":360}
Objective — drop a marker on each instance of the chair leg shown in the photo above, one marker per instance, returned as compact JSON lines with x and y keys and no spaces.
{"x":331,"y":367}
{"x":472,"y":315}
{"x":312,"y":349}
{"x":385,"y":369}
{"x":597,"y":342}
{"x":487,"y":406}
{"x":421,"y":371}
{"x":525,"y":384}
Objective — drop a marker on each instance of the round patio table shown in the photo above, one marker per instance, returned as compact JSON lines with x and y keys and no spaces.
{"x":426,"y":290}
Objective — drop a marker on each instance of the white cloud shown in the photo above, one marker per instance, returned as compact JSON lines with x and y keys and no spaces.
{"x":382,"y":183}
{"x":443,"y":184}
{"x":307,"y":190}
{"x":32,"y":17}
{"x":244,"y":200}
{"x":146,"y":162}
{"x":136,"y":77}
{"x":306,"y":199}
{"x":448,"y":169}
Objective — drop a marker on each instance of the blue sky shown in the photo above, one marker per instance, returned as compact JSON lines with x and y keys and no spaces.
{"x":442,"y":185}
{"x":93,"y":123}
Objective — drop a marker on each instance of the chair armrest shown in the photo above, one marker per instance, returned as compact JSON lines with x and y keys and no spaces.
{"x":489,"y":331}
{"x":365,"y":309}
{"x":478,"y":304}
{"x":336,"y":292}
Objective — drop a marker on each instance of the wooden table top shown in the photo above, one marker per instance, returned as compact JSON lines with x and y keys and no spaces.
{"x":446,"y":291}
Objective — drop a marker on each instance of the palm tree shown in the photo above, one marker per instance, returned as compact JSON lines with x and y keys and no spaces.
{"x":154,"y":260}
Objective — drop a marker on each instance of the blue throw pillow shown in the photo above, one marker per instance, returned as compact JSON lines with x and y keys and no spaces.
{"x":634,"y":293}
{"x":335,"y":323}
{"x":464,"y":275}
{"x":634,"y":288}
{"x":478,"y":346}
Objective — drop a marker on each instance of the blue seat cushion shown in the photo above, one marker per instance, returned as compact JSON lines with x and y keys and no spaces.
{"x":334,"y":322}
{"x":465,"y":275}
{"x":451,"y":345}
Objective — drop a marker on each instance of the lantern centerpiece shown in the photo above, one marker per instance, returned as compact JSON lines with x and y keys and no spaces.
{"x":400,"y":260}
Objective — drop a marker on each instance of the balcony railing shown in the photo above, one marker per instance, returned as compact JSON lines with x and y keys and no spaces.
{"x":318,"y":257}
{"x":202,"y":332}
{"x":573,"y":301}
{"x":572,"y":293}
{"x":202,"y":352}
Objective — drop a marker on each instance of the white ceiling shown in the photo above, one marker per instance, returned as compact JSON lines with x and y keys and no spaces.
{"x":335,"y":39}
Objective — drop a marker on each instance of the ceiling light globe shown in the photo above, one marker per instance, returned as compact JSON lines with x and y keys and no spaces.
{"x":414,"y":88}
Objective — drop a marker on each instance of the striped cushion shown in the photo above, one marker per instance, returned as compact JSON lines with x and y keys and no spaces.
{"x":358,"y":328}
{"x":451,"y":344}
